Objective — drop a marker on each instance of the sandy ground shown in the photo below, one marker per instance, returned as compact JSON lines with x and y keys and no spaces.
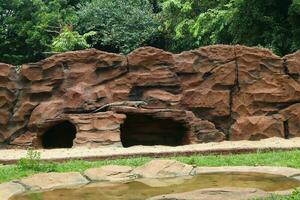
{"x":12,"y":155}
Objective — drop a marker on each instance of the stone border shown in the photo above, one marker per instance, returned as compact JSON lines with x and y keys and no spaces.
{"x":155,"y":169}
{"x":10,"y":156}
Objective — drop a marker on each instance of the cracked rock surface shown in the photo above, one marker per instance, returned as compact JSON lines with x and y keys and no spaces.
{"x":213,"y":92}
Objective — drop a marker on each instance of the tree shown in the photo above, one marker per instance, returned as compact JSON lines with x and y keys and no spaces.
{"x":274,"y":24}
{"x":193,"y":23}
{"x":263,"y":23}
{"x":69,"y":40}
{"x":294,"y":19}
{"x":121,"y":26}
{"x":28,"y":26}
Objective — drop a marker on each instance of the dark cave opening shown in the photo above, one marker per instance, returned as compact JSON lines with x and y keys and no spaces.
{"x":59,"y":136}
{"x":140,"y":129}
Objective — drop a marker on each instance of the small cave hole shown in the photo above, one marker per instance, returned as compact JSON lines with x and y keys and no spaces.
{"x":59,"y":136}
{"x":139,"y":129}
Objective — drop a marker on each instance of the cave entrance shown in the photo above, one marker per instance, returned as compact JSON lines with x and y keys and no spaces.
{"x":139,"y":129}
{"x":59,"y":136}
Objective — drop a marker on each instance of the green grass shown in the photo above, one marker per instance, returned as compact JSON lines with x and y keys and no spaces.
{"x":279,"y":158}
{"x":277,"y":197}
{"x":294,"y":196}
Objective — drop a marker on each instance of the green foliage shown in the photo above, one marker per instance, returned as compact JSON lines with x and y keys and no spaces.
{"x":193,"y":23}
{"x":28,"y":26}
{"x":120,"y":25}
{"x":262,"y":23}
{"x":294,"y":19}
{"x":274,"y":24}
{"x":211,"y":26}
{"x":69,"y":40}
{"x":33,"y":162}
{"x":35,"y":196}
{"x":294,"y":196}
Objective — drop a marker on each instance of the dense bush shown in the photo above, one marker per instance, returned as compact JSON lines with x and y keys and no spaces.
{"x":120,"y":25}
{"x":274,"y":24}
{"x":69,"y":40}
{"x":29,"y":28}
{"x":194,"y":23}
{"x":294,"y":20}
{"x":264,"y":23}
{"x":32,"y":162}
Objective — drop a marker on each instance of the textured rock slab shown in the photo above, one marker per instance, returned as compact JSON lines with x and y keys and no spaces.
{"x":158,"y":99}
{"x":203,"y":131}
{"x":26,"y":139}
{"x":293,"y":63}
{"x":256,"y":128}
{"x":98,"y":129}
{"x":8,"y":94}
{"x":46,"y":111}
{"x":110,"y":173}
{"x":256,"y":64}
{"x":48,"y":181}
{"x":297,"y":177}
{"x":222,"y":77}
{"x":147,"y":57}
{"x":291,"y":116}
{"x":10,"y":189}
{"x":265,"y":85}
{"x":266,"y":96}
{"x":163,"y":169}
{"x":214,"y":103}
{"x":215,"y":194}
{"x":203,"y":59}
{"x":283,"y":171}
{"x":150,"y":66}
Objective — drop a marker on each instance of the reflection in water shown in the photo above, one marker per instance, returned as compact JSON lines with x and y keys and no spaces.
{"x":145,"y":188}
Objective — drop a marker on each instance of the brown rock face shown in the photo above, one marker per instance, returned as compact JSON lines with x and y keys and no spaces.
{"x":203,"y":95}
{"x":212,"y":102}
{"x":256,"y":127}
{"x":8,"y":95}
{"x":292,"y":64}
{"x":291,"y":117}
{"x":163,"y":169}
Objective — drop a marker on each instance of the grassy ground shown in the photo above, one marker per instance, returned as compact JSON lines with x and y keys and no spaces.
{"x":294,"y":196}
{"x":29,"y":166}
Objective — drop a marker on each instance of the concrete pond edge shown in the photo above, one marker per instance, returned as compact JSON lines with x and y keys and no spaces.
{"x":155,"y":169}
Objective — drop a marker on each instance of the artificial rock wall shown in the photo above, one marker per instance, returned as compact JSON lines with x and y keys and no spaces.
{"x":216,"y":92}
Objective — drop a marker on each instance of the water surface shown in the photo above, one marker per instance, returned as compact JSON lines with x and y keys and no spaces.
{"x":146,"y":188}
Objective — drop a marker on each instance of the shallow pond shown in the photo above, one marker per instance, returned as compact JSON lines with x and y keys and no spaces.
{"x":146,"y":188}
